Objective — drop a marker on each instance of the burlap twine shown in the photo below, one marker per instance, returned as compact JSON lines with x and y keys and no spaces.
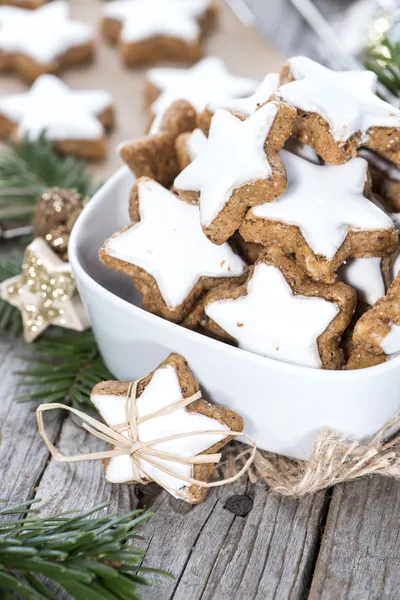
{"x":334,"y":460}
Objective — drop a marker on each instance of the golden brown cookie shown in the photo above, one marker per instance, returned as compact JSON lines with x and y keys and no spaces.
{"x":206,"y":80}
{"x":240,"y":106}
{"x":155,"y":155}
{"x":166,"y":253}
{"x":25,"y":50}
{"x":26,"y":4}
{"x":75,"y":121}
{"x":189,"y":146}
{"x":385,"y":180}
{"x":248,"y":250}
{"x":378,"y":330}
{"x":176,"y":381}
{"x":281,"y":313}
{"x":370,"y":277}
{"x":238,"y":168}
{"x":338,"y":112}
{"x":323,"y":218}
{"x":148,"y":31}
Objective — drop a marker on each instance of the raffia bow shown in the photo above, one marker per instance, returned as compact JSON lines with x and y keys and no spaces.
{"x":129,"y":444}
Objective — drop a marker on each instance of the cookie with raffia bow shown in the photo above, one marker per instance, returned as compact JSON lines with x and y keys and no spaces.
{"x":45,"y":292}
{"x":160,"y":430}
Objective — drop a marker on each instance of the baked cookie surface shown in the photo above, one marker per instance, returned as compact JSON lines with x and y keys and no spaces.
{"x":338,"y":112}
{"x":76,"y":121}
{"x":323,"y":217}
{"x":166,"y":253}
{"x":169,"y":383}
{"x":239,"y":167}
{"x":45,"y":40}
{"x":207,"y":80}
{"x":152,"y":30}
{"x":282,"y":314}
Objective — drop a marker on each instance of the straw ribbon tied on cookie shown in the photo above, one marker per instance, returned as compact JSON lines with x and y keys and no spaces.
{"x":124,"y":439}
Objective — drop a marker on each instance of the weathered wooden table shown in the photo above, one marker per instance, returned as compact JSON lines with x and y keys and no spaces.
{"x":343,"y":544}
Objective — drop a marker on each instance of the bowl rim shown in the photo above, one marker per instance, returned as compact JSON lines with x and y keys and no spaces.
{"x":102,"y":195}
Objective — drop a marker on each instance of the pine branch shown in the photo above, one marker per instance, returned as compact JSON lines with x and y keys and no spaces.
{"x":63,"y":367}
{"x":384,"y":61}
{"x":30,"y":167}
{"x":10,"y":317}
{"x":88,"y":557}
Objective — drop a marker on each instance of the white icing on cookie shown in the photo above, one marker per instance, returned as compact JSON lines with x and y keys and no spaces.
{"x":144,"y":19}
{"x":43,"y":34}
{"x":365,"y":276}
{"x":195,"y":143}
{"x":248,"y":106}
{"x":270,"y":320}
{"x":233,"y":156}
{"x":395,"y":268}
{"x":208,"y":80}
{"x":345,"y":99}
{"x":169,"y":243}
{"x":325,"y":202}
{"x":163,"y":390}
{"x":51,"y":107}
{"x":391,"y":343}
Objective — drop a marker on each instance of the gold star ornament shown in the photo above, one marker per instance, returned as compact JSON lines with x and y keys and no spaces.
{"x":45,"y":293}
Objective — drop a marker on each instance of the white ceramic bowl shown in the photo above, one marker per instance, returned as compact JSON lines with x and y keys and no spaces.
{"x":284,"y":406}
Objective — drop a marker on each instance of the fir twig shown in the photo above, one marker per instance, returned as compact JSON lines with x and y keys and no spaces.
{"x":88,"y":557}
{"x":30,"y":167}
{"x":63,"y":367}
{"x":10,"y":317}
{"x":384,"y":61}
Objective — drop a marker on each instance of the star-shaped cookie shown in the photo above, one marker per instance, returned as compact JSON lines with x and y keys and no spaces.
{"x":151,"y":30}
{"x":166,"y":253}
{"x":378,"y":330}
{"x":28,"y":4}
{"x":367,"y":276}
{"x":339,"y":111}
{"x":171,"y":382}
{"x":45,"y":293}
{"x":42,"y":41}
{"x":280,"y":313}
{"x":238,"y":168}
{"x":155,"y":155}
{"x":243,"y":107}
{"x":323,"y":217}
{"x":74,"y":120}
{"x":208,"y":80}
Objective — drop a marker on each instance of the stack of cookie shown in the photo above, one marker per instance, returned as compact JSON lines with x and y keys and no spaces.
{"x":270,"y":237}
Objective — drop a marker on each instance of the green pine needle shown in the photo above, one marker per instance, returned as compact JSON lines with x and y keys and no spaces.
{"x":384,"y":61}
{"x":10,"y":317}
{"x":30,"y":167}
{"x":63,"y":367}
{"x":87,"y":556}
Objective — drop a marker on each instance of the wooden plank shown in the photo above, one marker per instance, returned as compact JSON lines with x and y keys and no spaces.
{"x":23,"y":456}
{"x":80,"y":486}
{"x":211,"y":552}
{"x":214,"y":554}
{"x":360,"y":551}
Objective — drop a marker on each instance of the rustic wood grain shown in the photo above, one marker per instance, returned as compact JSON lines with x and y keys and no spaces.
{"x":80,"y":486}
{"x":23,"y":456}
{"x":215,"y":554}
{"x":360,"y":552}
